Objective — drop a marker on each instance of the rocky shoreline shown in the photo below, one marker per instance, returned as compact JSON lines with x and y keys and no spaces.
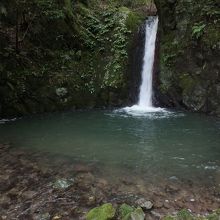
{"x":35,"y":186}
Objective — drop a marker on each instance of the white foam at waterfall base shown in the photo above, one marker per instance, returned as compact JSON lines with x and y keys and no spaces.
{"x":140,"y":111}
{"x":137,"y":110}
{"x":145,"y":104}
{"x":143,"y":109}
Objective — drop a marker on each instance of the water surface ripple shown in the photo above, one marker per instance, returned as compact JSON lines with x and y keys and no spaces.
{"x":164,"y":144}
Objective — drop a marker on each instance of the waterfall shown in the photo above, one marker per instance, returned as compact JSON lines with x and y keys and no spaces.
{"x":145,"y":96}
{"x":145,"y":104}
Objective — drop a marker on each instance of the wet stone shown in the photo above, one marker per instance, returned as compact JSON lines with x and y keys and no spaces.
{"x":167,"y":204}
{"x":28,"y":194}
{"x":62,"y":183}
{"x":145,"y":204}
{"x":158,"y":203}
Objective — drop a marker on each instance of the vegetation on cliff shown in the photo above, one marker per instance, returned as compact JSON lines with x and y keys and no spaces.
{"x":62,"y":54}
{"x":74,"y":54}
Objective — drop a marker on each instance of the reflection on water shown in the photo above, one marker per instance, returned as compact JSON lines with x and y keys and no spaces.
{"x":159,"y":144}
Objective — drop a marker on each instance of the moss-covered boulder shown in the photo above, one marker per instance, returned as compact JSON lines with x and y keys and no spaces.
{"x":104,"y":212}
{"x":125,"y":211}
{"x":137,"y":214}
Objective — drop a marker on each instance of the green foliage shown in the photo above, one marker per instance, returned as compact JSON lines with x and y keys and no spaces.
{"x":129,"y":3}
{"x":198,"y":30}
{"x":211,"y":10}
{"x":69,"y":53}
{"x":114,"y":69}
{"x":108,"y":33}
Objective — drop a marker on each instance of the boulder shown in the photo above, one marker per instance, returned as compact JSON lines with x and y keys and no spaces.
{"x":104,"y":212}
{"x":125,"y":211}
{"x":138,"y":214}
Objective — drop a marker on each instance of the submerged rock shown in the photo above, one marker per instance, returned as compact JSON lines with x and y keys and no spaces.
{"x":84,"y":180}
{"x":62,"y":183}
{"x":145,"y":204}
{"x":81,"y":168}
{"x":104,"y":212}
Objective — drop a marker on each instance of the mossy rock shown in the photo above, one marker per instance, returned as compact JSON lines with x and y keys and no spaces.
{"x":125,"y":211}
{"x":137,"y":214}
{"x":104,"y":212}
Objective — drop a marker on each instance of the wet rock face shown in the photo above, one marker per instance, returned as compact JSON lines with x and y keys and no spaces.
{"x":189,"y":74}
{"x":135,"y":64}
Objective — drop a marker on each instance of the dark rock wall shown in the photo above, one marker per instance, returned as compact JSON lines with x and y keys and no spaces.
{"x":189,"y":74}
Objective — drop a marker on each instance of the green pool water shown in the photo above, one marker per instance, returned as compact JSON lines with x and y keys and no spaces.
{"x":168,"y":144}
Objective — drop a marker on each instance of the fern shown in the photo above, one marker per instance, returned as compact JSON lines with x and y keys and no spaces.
{"x":198,"y":30}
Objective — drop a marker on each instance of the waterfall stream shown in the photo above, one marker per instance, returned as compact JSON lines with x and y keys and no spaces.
{"x":145,"y":104}
{"x":145,"y":96}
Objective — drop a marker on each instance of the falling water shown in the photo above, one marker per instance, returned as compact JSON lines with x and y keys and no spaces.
{"x":145,"y":104}
{"x":145,"y":96}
